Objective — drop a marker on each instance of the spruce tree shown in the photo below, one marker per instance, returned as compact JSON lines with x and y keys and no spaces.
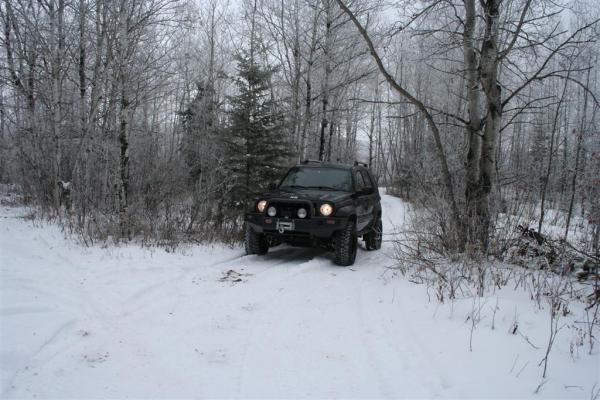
{"x":255,"y":141}
{"x":200,"y":150}
{"x":198,"y":129}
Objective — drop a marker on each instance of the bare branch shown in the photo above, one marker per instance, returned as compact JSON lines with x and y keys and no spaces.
{"x":537,"y":74}
{"x":420,"y":106}
{"x":503,"y":53}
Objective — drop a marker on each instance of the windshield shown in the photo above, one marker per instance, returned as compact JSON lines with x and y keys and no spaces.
{"x":319,"y":178}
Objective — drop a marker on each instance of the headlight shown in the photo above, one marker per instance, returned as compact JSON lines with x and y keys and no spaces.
{"x":326,"y":209}
{"x":261,"y":205}
{"x":272,"y":211}
{"x":302,"y":213}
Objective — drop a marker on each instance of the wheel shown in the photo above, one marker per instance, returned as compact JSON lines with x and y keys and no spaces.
{"x":255,"y":243}
{"x":345,"y":245}
{"x":373,"y":237}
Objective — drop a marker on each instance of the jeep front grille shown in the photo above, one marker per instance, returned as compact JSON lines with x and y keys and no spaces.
{"x":287,"y":209}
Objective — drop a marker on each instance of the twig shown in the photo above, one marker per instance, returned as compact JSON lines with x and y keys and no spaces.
{"x":542,"y":383}
{"x":593,"y":257}
{"x":494,"y":314}
{"x":595,"y":395}
{"x":514,"y":363}
{"x":522,"y":368}
{"x":527,"y":340}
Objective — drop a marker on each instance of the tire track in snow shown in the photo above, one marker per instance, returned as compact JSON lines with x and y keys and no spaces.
{"x":50,"y":348}
{"x":440,"y":379}
{"x":53,"y":339}
{"x":401,"y":343}
{"x":272,"y":303}
{"x":276,"y":303}
{"x":360,"y":325}
{"x":396,"y":216}
{"x":139,"y":299}
{"x":300,"y":271}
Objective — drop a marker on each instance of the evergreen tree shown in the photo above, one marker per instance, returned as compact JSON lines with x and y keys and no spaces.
{"x":201,"y":151}
{"x":198,"y":129}
{"x":255,"y":141}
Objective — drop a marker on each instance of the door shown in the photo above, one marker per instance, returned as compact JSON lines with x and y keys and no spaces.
{"x":370,"y":198}
{"x":362,"y":201}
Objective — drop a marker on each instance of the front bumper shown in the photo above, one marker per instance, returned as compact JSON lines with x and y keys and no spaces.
{"x":310,"y":228}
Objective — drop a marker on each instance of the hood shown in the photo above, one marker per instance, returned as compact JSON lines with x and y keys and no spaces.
{"x":316,"y":195}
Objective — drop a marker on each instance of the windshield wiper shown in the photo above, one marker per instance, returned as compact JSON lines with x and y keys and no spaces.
{"x":293,"y":186}
{"x":325,"y":188}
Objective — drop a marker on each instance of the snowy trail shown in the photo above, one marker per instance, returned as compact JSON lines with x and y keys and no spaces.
{"x":133,"y":322}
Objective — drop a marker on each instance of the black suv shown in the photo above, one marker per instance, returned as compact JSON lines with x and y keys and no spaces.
{"x":318,"y":204}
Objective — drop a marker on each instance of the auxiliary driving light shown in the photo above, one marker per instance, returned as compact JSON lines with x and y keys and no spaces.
{"x":326,"y":209}
{"x":272,"y":211}
{"x":302,"y":213}
{"x":261,"y":205}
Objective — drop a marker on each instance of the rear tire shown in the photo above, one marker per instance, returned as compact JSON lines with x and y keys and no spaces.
{"x":345,"y":245}
{"x":255,"y":243}
{"x":373,"y":237}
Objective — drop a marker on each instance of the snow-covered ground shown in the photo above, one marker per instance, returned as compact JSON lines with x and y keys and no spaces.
{"x":203,"y":322}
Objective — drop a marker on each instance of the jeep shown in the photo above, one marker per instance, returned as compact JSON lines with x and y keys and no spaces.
{"x":318,"y":204}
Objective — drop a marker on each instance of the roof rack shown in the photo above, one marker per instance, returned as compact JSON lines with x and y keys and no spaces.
{"x":307,"y":161}
{"x":357,"y":163}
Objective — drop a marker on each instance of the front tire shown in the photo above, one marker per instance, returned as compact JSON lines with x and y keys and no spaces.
{"x":255,"y":243}
{"x":345,"y":245}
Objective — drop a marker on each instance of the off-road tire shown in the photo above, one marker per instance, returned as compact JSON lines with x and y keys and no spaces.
{"x":373,"y":237}
{"x":255,"y":243}
{"x":345,"y":245}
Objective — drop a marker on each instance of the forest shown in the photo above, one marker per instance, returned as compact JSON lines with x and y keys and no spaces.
{"x":161,"y":120}
{"x":147,"y":252}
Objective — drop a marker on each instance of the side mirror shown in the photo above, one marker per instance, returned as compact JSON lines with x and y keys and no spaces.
{"x":272,"y":186}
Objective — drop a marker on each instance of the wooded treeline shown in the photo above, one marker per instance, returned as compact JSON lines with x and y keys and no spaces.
{"x":161,"y":119}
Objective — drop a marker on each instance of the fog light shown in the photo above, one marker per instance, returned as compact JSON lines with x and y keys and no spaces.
{"x":272,"y":211}
{"x":302,"y":213}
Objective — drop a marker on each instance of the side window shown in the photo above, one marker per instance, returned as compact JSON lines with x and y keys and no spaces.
{"x":366,"y":179}
{"x":360,"y":182}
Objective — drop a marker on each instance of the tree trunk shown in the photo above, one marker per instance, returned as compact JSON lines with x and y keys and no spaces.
{"x":325,"y":91}
{"x":493,"y":119}
{"x":308,"y":99}
{"x":374,"y":108}
{"x":56,"y":28}
{"x":123,"y":121}
{"x":331,"y":128}
{"x":546,"y":177}
{"x":473,"y":128}
{"x":577,"y":155}
{"x":297,"y":56}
